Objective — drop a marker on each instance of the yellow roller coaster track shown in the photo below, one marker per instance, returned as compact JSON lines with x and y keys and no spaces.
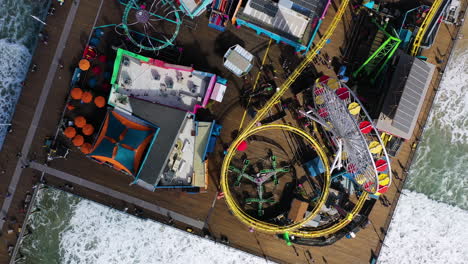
{"x":300,"y":68}
{"x":263,"y":226}
{"x":251,"y":129}
{"x":336,"y":227}
{"x":423,"y":28}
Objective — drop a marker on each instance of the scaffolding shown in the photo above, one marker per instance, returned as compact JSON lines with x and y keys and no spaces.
{"x":382,"y":49}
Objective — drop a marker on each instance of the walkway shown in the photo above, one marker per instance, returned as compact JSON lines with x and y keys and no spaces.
{"x":118,"y":195}
{"x":38,"y":111}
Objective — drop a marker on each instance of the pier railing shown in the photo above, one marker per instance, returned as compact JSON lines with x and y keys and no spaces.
{"x":14,"y":259}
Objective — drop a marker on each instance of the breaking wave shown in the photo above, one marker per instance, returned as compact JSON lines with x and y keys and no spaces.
{"x":425,"y":231}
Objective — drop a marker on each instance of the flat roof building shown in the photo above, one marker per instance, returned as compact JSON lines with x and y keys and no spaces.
{"x":166,"y":97}
{"x":163,"y":83}
{"x":404,"y":100}
{"x":294,"y":22}
{"x":238,"y":60}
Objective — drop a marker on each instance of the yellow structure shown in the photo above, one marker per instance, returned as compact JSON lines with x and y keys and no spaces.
{"x":423,"y":28}
{"x":252,"y":128}
{"x":263,"y":226}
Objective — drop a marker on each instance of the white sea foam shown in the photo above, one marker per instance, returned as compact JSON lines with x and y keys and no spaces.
{"x":450,"y":112}
{"x":18,"y":35}
{"x":425,"y":231}
{"x":439,"y":168}
{"x":14,"y":62}
{"x":97,"y":234}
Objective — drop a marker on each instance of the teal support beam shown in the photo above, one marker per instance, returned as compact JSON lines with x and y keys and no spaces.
{"x":104,"y":26}
{"x":313,"y":36}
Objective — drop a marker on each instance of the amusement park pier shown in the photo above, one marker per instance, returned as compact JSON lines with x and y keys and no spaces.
{"x":226,"y":74}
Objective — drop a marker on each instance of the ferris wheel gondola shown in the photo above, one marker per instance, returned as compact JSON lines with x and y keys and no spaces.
{"x":355,"y":140}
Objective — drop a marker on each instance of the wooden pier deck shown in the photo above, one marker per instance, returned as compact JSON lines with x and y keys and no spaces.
{"x":201,"y":48}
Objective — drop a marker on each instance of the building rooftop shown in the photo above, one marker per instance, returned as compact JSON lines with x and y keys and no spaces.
{"x":179,"y":168}
{"x":169,"y":121}
{"x":203,"y":132}
{"x":191,"y":5}
{"x":194,"y":7}
{"x":155,"y":81}
{"x":238,"y":60}
{"x":405,"y":98}
{"x":279,"y":17}
{"x":165,"y":95}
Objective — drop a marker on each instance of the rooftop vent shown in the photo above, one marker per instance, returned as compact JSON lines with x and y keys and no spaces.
{"x":155,"y":74}
{"x":127,"y":81}
{"x":126,"y":61}
{"x":169,"y":82}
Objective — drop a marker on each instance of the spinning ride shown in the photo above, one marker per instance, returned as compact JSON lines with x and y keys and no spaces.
{"x":259,"y":179}
{"x":230,"y":193}
{"x":142,"y":24}
{"x":356,"y":141}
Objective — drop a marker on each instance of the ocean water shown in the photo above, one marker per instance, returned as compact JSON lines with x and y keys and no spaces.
{"x":69,"y":229}
{"x":440,"y":168}
{"x":425,"y":231}
{"x":429,"y":224}
{"x":18,"y":38}
{"x":54,"y":211}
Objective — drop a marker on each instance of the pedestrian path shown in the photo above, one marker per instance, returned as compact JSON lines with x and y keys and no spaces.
{"x":118,"y":195}
{"x":38,"y":111}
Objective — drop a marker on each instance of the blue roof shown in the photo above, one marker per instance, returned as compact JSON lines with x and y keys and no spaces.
{"x":125,"y":157}
{"x":133,"y":137}
{"x":106,"y":148}
{"x":127,"y":138}
{"x":115,"y":128}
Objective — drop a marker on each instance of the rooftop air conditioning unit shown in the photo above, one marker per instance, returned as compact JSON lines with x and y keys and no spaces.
{"x":169,"y":82}
{"x":156,"y":75}
{"x":192,"y":87}
{"x":126,"y":61}
{"x":128,"y":81}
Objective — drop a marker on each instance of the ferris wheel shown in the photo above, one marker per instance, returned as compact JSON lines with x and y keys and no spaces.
{"x":355,"y":140}
{"x":143,"y":23}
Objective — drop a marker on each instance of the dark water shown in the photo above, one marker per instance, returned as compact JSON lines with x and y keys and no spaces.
{"x":53,"y":211}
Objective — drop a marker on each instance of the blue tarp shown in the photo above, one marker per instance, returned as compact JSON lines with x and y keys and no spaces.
{"x":134,"y":138}
{"x":114,"y":128}
{"x":125,"y":157}
{"x":104,"y":149}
